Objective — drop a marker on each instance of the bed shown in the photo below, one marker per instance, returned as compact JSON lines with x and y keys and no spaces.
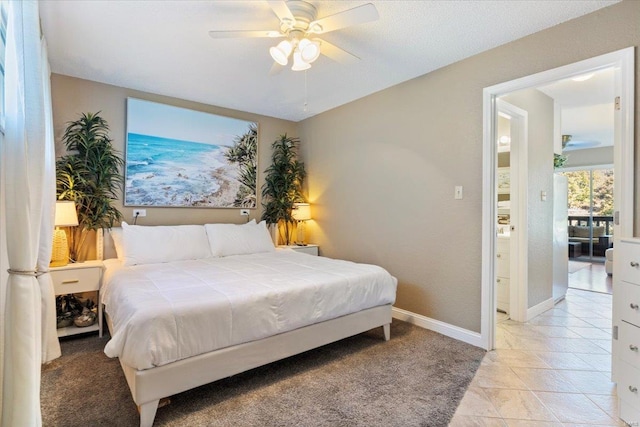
{"x":188,"y":305}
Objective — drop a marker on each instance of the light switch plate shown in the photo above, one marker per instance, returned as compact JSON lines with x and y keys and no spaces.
{"x":458,"y":192}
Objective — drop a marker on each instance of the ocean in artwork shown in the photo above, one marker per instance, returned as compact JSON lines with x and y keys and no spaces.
{"x":170,"y":172}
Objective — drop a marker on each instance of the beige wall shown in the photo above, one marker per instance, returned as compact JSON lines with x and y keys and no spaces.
{"x":382,"y":169}
{"x":72,"y":96}
{"x":540,"y":176}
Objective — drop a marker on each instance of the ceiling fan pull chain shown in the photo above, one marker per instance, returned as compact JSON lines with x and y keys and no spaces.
{"x":305,"y":91}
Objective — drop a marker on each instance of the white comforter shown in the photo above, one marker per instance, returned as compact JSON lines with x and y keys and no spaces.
{"x":161,"y":313}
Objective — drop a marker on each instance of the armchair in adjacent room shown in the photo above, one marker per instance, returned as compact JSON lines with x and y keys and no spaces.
{"x":608,"y":261}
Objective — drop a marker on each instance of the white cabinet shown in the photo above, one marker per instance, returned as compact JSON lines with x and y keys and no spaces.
{"x":502,"y":273}
{"x":76,"y":278}
{"x":626,"y":322}
{"x":306,"y":249}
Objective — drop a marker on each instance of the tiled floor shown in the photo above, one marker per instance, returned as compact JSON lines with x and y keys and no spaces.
{"x":551,"y":371}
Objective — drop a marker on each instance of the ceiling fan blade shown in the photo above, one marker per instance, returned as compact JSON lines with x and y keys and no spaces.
{"x":244,"y":34}
{"x":334,"y":52}
{"x":282,"y":11}
{"x":275,"y":69}
{"x":357,"y":15}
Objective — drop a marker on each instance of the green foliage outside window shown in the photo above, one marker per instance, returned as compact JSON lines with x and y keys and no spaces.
{"x":580,"y":193}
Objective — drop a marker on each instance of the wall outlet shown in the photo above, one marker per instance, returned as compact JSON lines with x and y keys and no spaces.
{"x":244,"y":212}
{"x":139,"y":213}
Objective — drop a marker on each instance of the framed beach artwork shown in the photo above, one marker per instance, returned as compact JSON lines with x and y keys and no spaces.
{"x":176,"y":157}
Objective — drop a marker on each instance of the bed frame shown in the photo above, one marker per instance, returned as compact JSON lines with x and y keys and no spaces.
{"x":148,"y":386}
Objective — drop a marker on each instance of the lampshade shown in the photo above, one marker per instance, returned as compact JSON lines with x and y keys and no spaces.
{"x":298,"y":62}
{"x":281,"y":52}
{"x":301,"y":211}
{"x":66,"y":214}
{"x":304,"y":51}
{"x":65,"y":217}
{"x":309,"y":50}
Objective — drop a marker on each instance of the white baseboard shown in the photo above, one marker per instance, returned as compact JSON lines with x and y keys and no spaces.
{"x":455,"y":332}
{"x":538,"y":309}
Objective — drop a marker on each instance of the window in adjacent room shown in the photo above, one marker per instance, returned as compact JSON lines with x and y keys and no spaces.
{"x":590,"y":203}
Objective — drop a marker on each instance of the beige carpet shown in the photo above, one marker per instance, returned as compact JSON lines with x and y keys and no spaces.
{"x":415,"y":379}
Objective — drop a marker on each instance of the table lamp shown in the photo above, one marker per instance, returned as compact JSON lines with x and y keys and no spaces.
{"x":65,"y":217}
{"x":301,"y":213}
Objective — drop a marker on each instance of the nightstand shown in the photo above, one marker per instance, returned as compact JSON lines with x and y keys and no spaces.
{"x":308,"y":249}
{"x":75,"y":278}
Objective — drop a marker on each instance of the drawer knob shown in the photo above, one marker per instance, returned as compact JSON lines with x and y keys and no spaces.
{"x":633,"y":389}
{"x":633,"y":306}
{"x":633,"y":347}
{"x":499,"y":256}
{"x":498,"y":280}
{"x":634,"y":264}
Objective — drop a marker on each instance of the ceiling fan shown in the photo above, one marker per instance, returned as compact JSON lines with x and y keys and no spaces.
{"x":299,"y":26}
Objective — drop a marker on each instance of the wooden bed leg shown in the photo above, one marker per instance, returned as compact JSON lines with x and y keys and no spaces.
{"x":387,"y":331}
{"x":148,"y":413}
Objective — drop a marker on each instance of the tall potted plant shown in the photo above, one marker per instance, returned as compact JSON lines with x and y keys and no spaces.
{"x":90,"y":176}
{"x":283,"y":186}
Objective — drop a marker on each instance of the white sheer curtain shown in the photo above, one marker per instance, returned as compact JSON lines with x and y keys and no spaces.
{"x":29,"y":170}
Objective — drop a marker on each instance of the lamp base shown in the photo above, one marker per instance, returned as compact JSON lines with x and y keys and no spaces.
{"x":300,"y":233}
{"x":60,"y":251}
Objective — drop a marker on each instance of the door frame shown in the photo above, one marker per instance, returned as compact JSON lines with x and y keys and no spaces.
{"x":623,"y":62}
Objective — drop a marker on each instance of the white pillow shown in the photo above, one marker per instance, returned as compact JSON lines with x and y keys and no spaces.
{"x":233,"y":239}
{"x":118,"y":245}
{"x":163,"y":243}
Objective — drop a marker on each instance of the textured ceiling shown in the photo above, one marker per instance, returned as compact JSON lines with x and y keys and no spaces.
{"x":586,"y":109}
{"x":163,"y":47}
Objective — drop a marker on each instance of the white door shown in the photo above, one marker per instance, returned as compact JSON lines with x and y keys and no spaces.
{"x":518,"y":119}
{"x":560,"y":238}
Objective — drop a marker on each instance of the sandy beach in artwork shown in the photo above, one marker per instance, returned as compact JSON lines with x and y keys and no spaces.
{"x":174,"y":173}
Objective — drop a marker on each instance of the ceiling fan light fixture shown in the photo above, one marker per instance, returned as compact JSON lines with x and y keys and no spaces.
{"x":309,"y":49}
{"x":315,"y":28}
{"x":298,"y":63}
{"x":281,"y":52}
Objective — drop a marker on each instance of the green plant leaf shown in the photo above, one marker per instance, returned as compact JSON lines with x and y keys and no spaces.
{"x":90,"y":173}
{"x":283,"y":184}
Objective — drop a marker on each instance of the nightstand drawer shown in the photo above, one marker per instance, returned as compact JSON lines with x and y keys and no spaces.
{"x":629,"y":338}
{"x":629,"y":262}
{"x":629,"y":385}
{"x":627,"y":300}
{"x":310,"y":249}
{"x":78,"y":280}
